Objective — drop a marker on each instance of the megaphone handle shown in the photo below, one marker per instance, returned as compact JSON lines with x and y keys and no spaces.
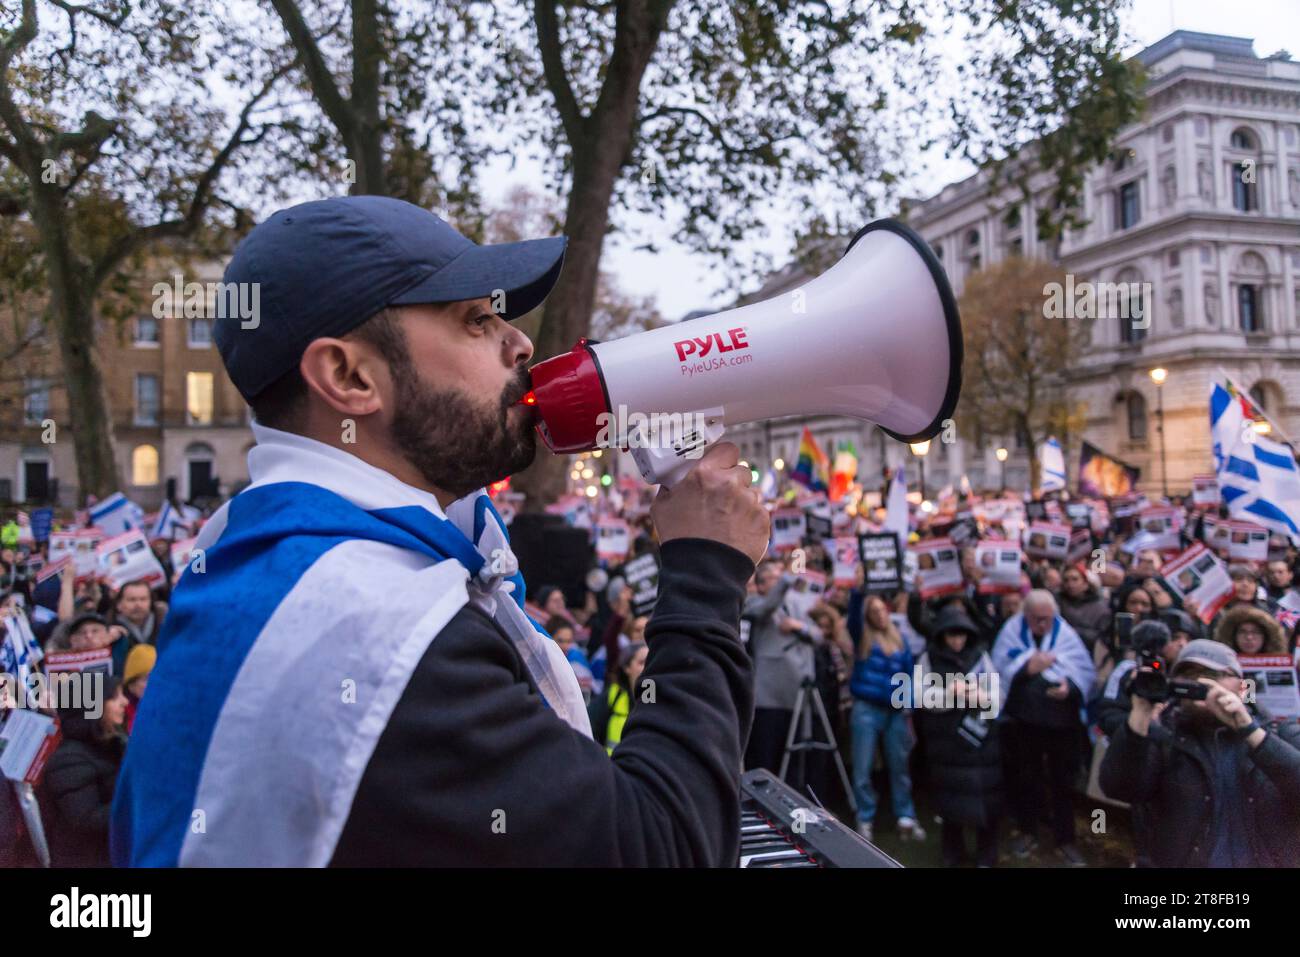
{"x":668,"y":464}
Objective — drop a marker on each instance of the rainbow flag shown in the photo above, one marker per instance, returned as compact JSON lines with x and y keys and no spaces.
{"x":812,"y":470}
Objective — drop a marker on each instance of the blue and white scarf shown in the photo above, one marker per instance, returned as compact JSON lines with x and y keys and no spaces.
{"x":322,"y":585}
{"x":1015,"y":644}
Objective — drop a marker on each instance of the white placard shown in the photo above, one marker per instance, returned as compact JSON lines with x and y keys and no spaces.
{"x":999,"y":566}
{"x":1047,"y":540}
{"x":938,"y":567}
{"x":128,"y":558}
{"x":1198,"y":574}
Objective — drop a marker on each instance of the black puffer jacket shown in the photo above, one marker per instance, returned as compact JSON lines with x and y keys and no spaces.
{"x":76,"y":793}
{"x":966,"y":778}
{"x":1168,"y":774}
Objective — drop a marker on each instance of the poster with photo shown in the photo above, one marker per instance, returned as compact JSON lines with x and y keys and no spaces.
{"x":789,"y":525}
{"x":1273,"y":679}
{"x":1205,"y":491}
{"x":999,"y":566}
{"x":938,"y":567}
{"x":1198,"y":574}
{"x":128,"y":558}
{"x":81,"y":546}
{"x":1162,"y":523}
{"x":1247,"y":541}
{"x":1079,"y":514}
{"x":1215,"y":532}
{"x":1047,"y":540}
{"x":1080,"y":545}
{"x":845,"y":561}
{"x":86,"y":662}
{"x":613,"y":539}
{"x":882,"y":565}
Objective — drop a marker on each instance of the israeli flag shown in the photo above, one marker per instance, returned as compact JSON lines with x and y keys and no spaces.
{"x":1051,"y":461}
{"x":324,"y":583}
{"x":167,"y":522}
{"x":116,"y":514}
{"x":1258,"y":478}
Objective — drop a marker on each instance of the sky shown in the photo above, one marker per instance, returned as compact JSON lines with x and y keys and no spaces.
{"x":680,"y":281}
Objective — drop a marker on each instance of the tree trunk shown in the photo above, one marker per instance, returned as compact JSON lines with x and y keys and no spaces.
{"x":90,"y":419}
{"x":71,"y":308}
{"x":598,"y":158}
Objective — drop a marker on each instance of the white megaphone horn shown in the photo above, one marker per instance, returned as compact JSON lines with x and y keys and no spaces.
{"x":876,"y":337}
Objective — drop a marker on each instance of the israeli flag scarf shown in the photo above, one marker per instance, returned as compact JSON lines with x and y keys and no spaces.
{"x":1015,"y":644}
{"x":291,"y":636}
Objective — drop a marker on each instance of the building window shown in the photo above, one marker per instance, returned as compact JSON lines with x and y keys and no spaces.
{"x":1128,"y":212}
{"x":1124,"y":159}
{"x":147,"y":397}
{"x":1133,"y":320}
{"x":200,"y":333}
{"x":36,"y":401}
{"x":198,"y":398}
{"x":1137,"y":417}
{"x":144,"y":465}
{"x":1241,"y":140}
{"x":1248,"y":311}
{"x":146,"y":331}
{"x":1245,"y":198}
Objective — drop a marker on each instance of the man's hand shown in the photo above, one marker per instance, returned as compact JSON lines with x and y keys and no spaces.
{"x":1142,"y":713}
{"x":1226,"y":706}
{"x":1059,"y":692}
{"x":789,"y":625}
{"x":1039,"y":662}
{"x":715,"y":501}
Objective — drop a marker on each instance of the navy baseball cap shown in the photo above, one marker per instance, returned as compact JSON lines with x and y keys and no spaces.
{"x":325,"y":267}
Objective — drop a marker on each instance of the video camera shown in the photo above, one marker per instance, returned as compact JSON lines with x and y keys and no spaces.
{"x":1150,"y":681}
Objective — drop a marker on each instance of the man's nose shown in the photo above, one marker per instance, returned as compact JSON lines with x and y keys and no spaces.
{"x":519,"y":348}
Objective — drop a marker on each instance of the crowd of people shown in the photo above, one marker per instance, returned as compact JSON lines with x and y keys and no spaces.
{"x":1044,"y":706}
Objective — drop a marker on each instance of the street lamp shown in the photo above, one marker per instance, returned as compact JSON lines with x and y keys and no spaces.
{"x":1001,"y":455}
{"x":919,"y":449}
{"x":1158,"y":376}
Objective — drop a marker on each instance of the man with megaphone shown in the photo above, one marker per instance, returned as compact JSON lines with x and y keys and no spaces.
{"x":350,"y":678}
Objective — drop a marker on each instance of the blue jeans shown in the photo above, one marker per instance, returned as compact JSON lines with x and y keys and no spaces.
{"x":869,"y":721}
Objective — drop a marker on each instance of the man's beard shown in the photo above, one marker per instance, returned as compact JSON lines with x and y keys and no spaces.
{"x":455,"y":442}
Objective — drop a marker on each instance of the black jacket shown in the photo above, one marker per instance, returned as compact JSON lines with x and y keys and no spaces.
{"x":76,"y":797}
{"x":966,"y":777}
{"x":474,"y":770}
{"x":1168,"y":774}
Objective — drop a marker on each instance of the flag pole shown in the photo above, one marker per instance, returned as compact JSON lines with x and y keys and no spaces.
{"x":1277,"y":429}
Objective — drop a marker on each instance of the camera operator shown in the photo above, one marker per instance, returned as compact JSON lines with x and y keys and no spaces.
{"x":1215,"y":786}
{"x":1148,"y":641}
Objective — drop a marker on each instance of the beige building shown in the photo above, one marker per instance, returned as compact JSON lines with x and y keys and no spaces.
{"x":178,"y":421}
{"x":1199,"y":208}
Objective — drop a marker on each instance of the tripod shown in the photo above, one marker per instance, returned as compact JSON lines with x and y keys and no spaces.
{"x":806,"y":705}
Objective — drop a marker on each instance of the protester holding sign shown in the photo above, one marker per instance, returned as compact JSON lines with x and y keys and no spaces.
{"x":81,"y":779}
{"x":962,"y":749}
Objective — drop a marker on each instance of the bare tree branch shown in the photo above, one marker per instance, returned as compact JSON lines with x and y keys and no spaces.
{"x":548,"y":42}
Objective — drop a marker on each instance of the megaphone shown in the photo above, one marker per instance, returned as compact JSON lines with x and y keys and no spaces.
{"x":876,"y":337}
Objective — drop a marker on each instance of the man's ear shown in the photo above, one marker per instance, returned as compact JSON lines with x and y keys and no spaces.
{"x":347,"y":374}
